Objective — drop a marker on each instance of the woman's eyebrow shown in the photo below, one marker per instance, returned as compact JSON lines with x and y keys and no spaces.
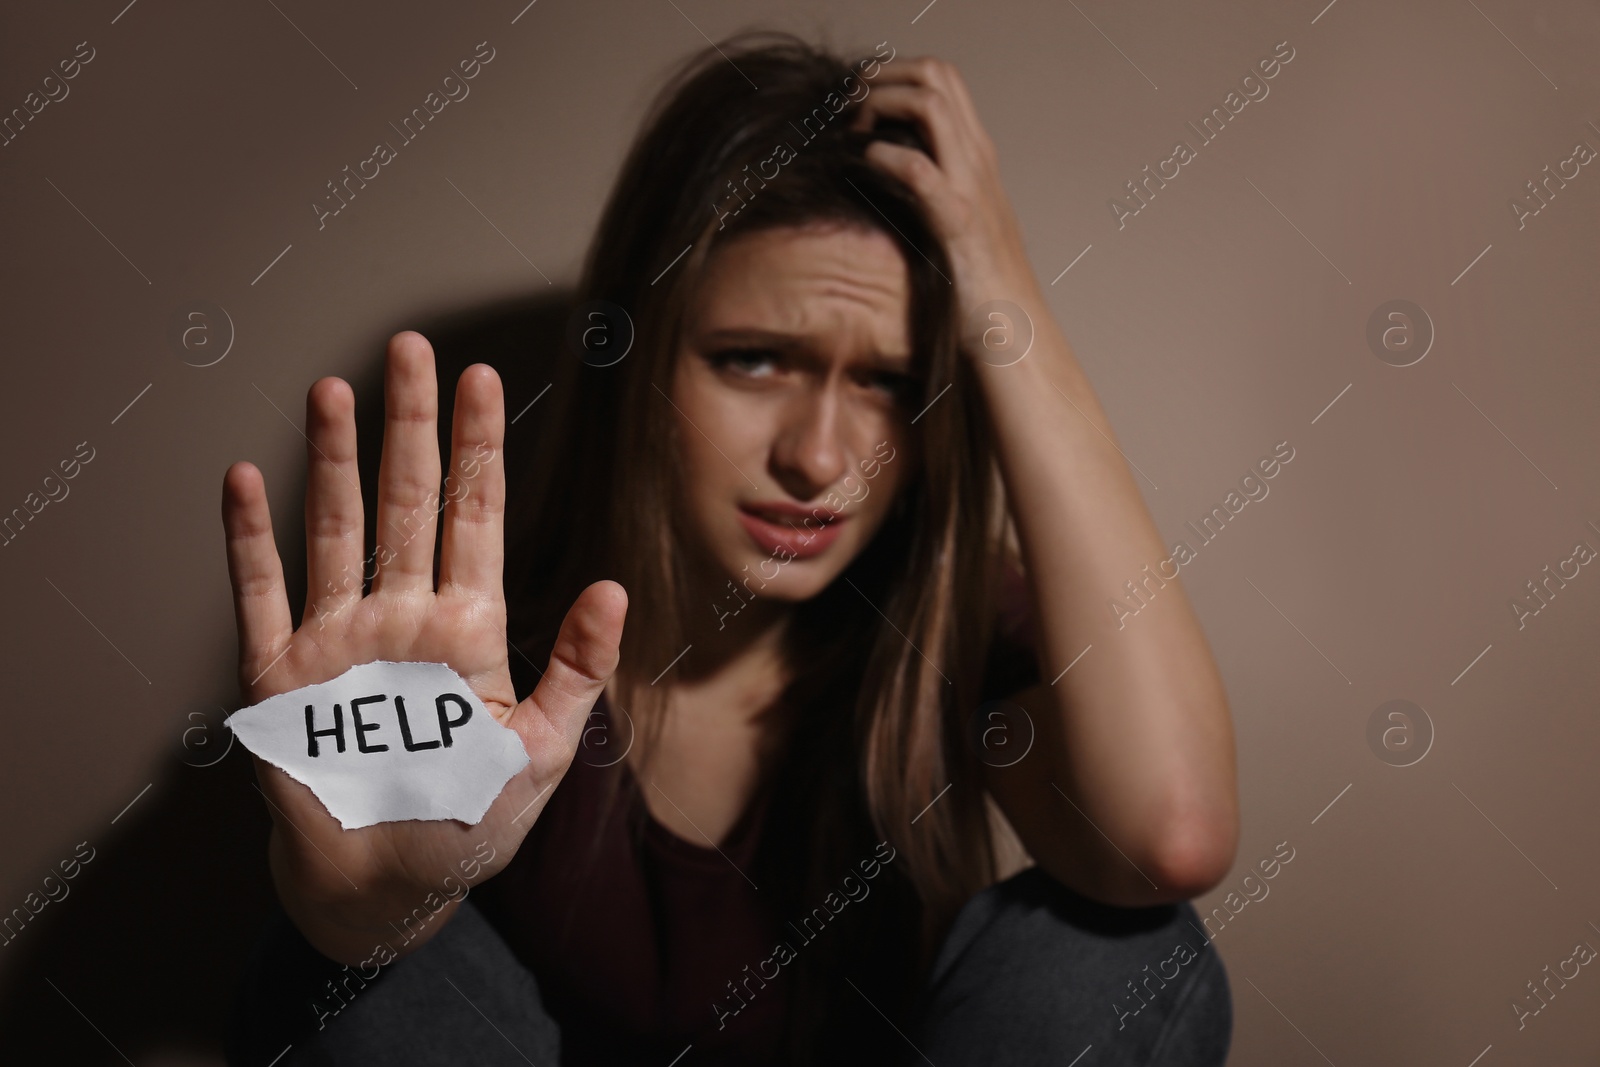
{"x":753,"y":336}
{"x":795,"y":344}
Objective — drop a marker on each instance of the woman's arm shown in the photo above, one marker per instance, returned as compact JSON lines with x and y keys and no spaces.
{"x":1129,"y":794}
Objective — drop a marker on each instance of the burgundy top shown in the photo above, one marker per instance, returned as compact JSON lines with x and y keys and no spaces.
{"x":635,"y":952}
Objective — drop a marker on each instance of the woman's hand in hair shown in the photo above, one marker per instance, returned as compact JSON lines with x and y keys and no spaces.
{"x":959,"y":185}
{"x":344,"y":888}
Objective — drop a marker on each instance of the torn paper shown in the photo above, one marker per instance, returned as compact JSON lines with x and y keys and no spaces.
{"x":387,"y":741}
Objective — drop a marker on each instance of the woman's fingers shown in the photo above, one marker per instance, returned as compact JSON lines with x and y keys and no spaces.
{"x":930,"y":72}
{"x":333,"y":501}
{"x":915,"y":103}
{"x":472,"y":560}
{"x":260,"y":602}
{"x":931,"y":93}
{"x":919,"y":173}
{"x":582,"y":661}
{"x":408,"y":474}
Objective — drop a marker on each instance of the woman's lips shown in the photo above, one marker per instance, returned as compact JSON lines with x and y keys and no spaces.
{"x":790,"y":536}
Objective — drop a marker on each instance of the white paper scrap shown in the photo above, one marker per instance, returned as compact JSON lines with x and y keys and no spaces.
{"x":385,"y":742}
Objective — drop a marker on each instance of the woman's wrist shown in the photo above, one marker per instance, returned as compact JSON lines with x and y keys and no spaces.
{"x":356,"y":926}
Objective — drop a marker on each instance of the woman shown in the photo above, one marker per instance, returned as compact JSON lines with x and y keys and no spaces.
{"x":817,"y":417}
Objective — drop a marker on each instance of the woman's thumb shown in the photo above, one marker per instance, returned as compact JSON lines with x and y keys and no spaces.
{"x":584,"y":657}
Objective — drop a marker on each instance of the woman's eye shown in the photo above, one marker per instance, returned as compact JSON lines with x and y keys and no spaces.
{"x":749,"y":361}
{"x":896,"y":386}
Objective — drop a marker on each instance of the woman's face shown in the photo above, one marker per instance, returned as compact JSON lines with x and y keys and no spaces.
{"x":792,"y":389}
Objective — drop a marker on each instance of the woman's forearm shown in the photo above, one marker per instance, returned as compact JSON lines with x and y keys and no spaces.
{"x":1145,"y":742}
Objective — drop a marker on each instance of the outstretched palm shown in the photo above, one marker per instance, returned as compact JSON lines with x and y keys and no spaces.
{"x":345,"y":883}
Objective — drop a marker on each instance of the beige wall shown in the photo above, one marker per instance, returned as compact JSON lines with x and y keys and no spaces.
{"x":1222,"y":319}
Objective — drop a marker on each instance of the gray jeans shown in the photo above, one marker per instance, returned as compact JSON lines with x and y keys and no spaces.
{"x":1030,"y":973}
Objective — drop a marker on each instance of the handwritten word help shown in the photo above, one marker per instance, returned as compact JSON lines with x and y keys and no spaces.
{"x":385,"y":742}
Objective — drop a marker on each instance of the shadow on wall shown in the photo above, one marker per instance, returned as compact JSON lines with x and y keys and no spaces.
{"x":144,"y":952}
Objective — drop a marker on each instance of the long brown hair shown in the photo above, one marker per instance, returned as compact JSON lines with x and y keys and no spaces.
{"x":885,"y":704}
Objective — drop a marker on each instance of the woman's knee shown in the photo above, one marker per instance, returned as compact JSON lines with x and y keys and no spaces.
{"x":1196,"y":1026}
{"x":1032,"y":971}
{"x":462,"y":997}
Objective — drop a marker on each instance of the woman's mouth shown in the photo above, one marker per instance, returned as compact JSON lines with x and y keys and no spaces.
{"x":791,"y":531}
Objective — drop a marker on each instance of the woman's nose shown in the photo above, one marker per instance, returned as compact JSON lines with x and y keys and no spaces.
{"x":809,"y":454}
